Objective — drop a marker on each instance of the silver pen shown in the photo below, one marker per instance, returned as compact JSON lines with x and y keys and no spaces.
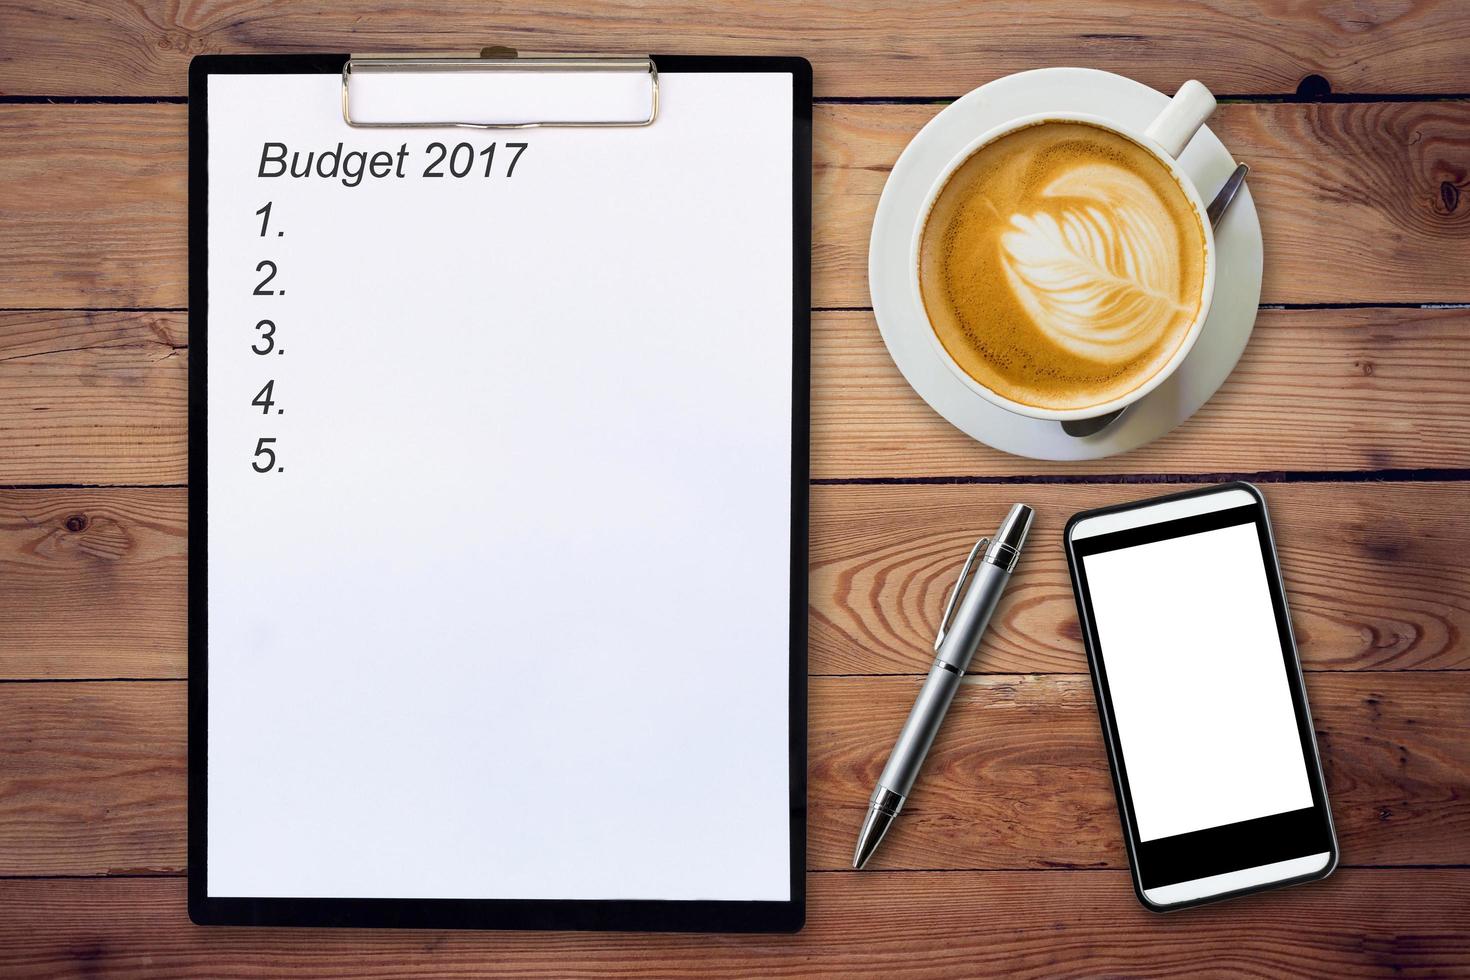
{"x":966,"y":615}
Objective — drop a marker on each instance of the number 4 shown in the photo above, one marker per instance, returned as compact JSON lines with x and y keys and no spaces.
{"x":263,"y":399}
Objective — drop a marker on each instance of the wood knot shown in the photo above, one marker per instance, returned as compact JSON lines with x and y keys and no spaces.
{"x":77,"y":523}
{"x":1449,"y":196}
{"x":1314,"y":87}
{"x":1384,"y":549}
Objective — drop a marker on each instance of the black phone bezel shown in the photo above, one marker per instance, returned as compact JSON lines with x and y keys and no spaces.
{"x":1262,"y":837}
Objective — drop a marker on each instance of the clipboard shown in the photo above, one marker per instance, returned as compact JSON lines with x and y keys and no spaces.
{"x":263,"y":856}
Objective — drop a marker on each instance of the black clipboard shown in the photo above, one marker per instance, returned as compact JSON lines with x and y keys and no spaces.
{"x":645,"y":915}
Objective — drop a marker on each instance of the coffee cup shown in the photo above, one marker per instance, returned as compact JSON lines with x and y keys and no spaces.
{"x":1162,"y":140}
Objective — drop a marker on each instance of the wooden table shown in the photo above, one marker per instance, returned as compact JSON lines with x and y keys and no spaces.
{"x":1352,"y":406}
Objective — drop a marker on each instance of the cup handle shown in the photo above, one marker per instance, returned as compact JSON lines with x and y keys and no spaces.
{"x":1181,"y":118}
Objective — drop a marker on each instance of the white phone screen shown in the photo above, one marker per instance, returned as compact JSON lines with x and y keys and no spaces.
{"x":1199,"y":688}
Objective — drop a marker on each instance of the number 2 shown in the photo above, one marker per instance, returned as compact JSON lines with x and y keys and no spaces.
{"x":261,"y":266}
{"x":432,"y":169}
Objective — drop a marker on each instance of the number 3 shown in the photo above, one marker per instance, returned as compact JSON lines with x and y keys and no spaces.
{"x":269,"y":326}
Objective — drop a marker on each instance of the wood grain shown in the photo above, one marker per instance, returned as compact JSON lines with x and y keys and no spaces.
{"x":1359,"y":923}
{"x":92,"y":581}
{"x":94,"y":210}
{"x":860,"y":48}
{"x":93,"y":398}
{"x":93,"y":774}
{"x":92,"y":778}
{"x":1018,"y":777}
{"x":1366,"y":202}
{"x":1366,"y":389}
{"x":1375,"y":574}
{"x":1359,"y":202}
{"x":100,"y":398}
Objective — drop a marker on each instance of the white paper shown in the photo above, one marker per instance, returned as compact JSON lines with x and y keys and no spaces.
{"x":513,"y":621}
{"x":1197,"y":681}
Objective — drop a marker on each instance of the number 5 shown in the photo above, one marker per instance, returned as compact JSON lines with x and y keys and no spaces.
{"x":262,"y":448}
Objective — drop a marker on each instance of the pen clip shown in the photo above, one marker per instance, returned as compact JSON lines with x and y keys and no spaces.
{"x":957,"y":591}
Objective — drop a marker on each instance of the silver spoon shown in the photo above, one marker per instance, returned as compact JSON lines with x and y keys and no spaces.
{"x":1081,"y":428}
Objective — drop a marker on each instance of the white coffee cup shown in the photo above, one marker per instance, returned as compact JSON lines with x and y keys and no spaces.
{"x":1165,"y":138}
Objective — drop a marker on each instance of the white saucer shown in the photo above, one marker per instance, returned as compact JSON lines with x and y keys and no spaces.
{"x":906,"y":330}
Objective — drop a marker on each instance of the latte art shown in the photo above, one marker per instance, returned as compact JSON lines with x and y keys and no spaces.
{"x":1098,"y":273}
{"x":1062,"y":265}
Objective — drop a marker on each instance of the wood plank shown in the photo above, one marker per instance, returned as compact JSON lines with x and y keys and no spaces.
{"x":92,"y":778}
{"x":94,"y":213}
{"x":1362,"y":389}
{"x":92,"y":583}
{"x":859,"y":48}
{"x":1018,"y":777}
{"x":92,"y":774}
{"x":1359,"y":202}
{"x":93,"y":398}
{"x":1359,"y":923}
{"x":1375,"y":574}
{"x":101,"y":399}
{"x":1374,"y":571}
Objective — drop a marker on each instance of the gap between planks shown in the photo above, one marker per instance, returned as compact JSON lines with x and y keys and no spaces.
{"x":1416,"y":475}
{"x":166,"y":875}
{"x":1333,"y":98}
{"x":1355,"y":305}
{"x":973,"y":677}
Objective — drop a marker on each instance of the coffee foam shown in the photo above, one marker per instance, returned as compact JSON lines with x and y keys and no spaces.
{"x":1062,"y":265}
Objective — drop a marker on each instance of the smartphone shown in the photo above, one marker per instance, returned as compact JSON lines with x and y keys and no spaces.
{"x":1200,"y":696}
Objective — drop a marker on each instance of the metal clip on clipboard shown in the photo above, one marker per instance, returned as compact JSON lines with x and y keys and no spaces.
{"x":502,"y":60}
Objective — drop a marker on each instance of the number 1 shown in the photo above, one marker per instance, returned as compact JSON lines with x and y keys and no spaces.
{"x":265,"y":217}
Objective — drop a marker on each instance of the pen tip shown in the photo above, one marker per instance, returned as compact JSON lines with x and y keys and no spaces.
{"x":874,"y":828}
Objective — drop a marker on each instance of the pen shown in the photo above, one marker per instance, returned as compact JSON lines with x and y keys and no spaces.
{"x":966,"y":615}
